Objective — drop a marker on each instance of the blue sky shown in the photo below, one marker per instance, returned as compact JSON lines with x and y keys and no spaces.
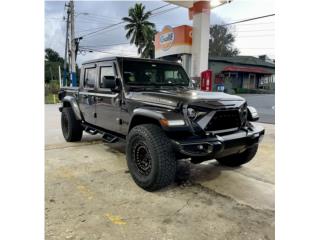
{"x":252,"y":38}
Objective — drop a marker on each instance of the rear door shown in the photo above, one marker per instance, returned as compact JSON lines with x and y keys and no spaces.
{"x":87,"y":101}
{"x":107,"y":102}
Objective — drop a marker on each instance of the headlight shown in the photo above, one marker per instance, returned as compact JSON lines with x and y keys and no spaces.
{"x":171,"y":123}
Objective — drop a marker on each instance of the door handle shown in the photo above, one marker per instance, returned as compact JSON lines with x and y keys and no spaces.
{"x":99,"y":98}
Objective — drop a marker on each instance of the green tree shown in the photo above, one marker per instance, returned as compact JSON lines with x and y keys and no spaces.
{"x":52,"y":56}
{"x":148,"y":48}
{"x":139,"y":30}
{"x":221,"y":42}
{"x":51,"y":65}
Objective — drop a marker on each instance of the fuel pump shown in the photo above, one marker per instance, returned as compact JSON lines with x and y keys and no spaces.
{"x":206,"y":81}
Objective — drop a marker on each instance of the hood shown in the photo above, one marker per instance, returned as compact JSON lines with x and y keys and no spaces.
{"x":174,"y":97}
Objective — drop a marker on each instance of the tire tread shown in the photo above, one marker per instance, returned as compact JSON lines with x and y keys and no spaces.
{"x":76,"y":130}
{"x":162,"y":146}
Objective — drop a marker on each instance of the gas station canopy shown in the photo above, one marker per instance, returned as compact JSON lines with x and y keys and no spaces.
{"x":186,"y":4}
{"x":189,"y":4}
{"x":189,"y":40}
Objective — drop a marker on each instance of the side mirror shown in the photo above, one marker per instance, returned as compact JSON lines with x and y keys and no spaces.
{"x":252,"y":114}
{"x":109,"y":82}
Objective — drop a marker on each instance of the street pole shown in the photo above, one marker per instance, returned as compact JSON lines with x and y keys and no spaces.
{"x":60,"y":84}
{"x":66,"y":50}
{"x":73,"y":46}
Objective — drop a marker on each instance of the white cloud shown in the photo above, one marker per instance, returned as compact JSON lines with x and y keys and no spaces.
{"x":125,"y":51}
{"x":108,"y":12}
{"x":55,"y":27}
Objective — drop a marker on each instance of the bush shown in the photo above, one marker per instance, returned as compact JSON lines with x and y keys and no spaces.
{"x":52,"y":87}
{"x":51,"y":99}
{"x":51,"y":90}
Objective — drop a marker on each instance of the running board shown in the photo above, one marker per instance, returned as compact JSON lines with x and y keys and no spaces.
{"x":109,"y":138}
{"x":91,"y":130}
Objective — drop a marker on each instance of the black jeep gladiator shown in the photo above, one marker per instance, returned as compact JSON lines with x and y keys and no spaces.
{"x":153,"y":106}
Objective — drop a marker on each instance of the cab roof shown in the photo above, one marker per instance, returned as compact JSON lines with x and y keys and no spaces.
{"x":130,"y":58}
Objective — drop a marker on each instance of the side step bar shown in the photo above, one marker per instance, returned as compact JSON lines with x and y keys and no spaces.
{"x":91,"y":130}
{"x":107,"y":136}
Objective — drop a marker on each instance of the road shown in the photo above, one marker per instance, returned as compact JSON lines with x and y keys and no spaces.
{"x":265,"y":104}
{"x":89,"y":194}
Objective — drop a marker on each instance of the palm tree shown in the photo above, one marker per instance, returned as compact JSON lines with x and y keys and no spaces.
{"x":139,"y":30}
{"x":148,"y":51}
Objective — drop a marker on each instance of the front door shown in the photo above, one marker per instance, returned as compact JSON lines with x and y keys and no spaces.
{"x":87,"y":103}
{"x":107,"y":102}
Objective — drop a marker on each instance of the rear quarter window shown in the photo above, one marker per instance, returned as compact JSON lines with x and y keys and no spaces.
{"x":90,"y":75}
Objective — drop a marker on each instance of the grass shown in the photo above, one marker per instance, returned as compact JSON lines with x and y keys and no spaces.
{"x":51,"y":99}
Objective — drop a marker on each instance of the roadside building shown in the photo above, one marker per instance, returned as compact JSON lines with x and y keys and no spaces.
{"x":238,"y":73}
{"x":242,"y":72}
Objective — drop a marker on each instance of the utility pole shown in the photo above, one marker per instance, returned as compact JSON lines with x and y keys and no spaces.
{"x":59,"y":69}
{"x":73,"y":46}
{"x":66,"y":57}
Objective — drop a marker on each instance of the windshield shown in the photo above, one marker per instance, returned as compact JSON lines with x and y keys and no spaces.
{"x":153,"y":74}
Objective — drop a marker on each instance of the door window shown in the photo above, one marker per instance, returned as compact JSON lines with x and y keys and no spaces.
{"x":107,"y":72}
{"x":89,"y":77}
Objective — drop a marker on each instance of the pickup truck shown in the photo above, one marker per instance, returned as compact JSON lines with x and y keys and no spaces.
{"x":152,"y":105}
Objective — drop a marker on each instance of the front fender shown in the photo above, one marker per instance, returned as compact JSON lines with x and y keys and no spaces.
{"x":69,"y":100}
{"x":155,"y":115}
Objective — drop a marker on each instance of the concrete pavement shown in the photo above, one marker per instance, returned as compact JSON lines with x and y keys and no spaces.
{"x":90,"y":194}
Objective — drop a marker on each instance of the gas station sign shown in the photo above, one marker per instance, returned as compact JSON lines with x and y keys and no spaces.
{"x":166,"y":38}
{"x":172,"y":41}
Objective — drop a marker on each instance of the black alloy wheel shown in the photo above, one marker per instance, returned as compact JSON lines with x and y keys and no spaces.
{"x":142,"y":158}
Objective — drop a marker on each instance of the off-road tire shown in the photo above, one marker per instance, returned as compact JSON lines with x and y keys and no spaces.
{"x":236,"y":160}
{"x":71,"y":127}
{"x":161,"y":158}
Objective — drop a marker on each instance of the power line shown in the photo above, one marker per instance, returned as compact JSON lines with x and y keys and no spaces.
{"x":253,"y":48}
{"x":96,"y":20}
{"x":108,"y":45}
{"x":164,"y":11}
{"x":107,"y":52}
{"x":119,"y":23}
{"x":155,"y":9}
{"x":259,"y":23}
{"x":249,"y":19}
{"x":100,"y":17}
{"x":94,"y":17}
{"x":103,"y":28}
{"x":254,"y":30}
{"x":266,"y":35}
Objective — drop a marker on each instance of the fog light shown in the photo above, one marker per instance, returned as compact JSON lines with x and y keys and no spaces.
{"x":200,"y":147}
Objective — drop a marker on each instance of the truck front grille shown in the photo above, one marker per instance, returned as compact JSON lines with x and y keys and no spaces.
{"x":224,"y":120}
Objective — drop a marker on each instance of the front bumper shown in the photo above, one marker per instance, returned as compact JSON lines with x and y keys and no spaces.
{"x":219,"y":145}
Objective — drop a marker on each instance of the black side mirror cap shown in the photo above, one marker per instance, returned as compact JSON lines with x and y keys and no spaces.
{"x":118,"y":86}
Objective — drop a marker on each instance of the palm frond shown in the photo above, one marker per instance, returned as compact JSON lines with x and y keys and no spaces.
{"x":127,"y":19}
